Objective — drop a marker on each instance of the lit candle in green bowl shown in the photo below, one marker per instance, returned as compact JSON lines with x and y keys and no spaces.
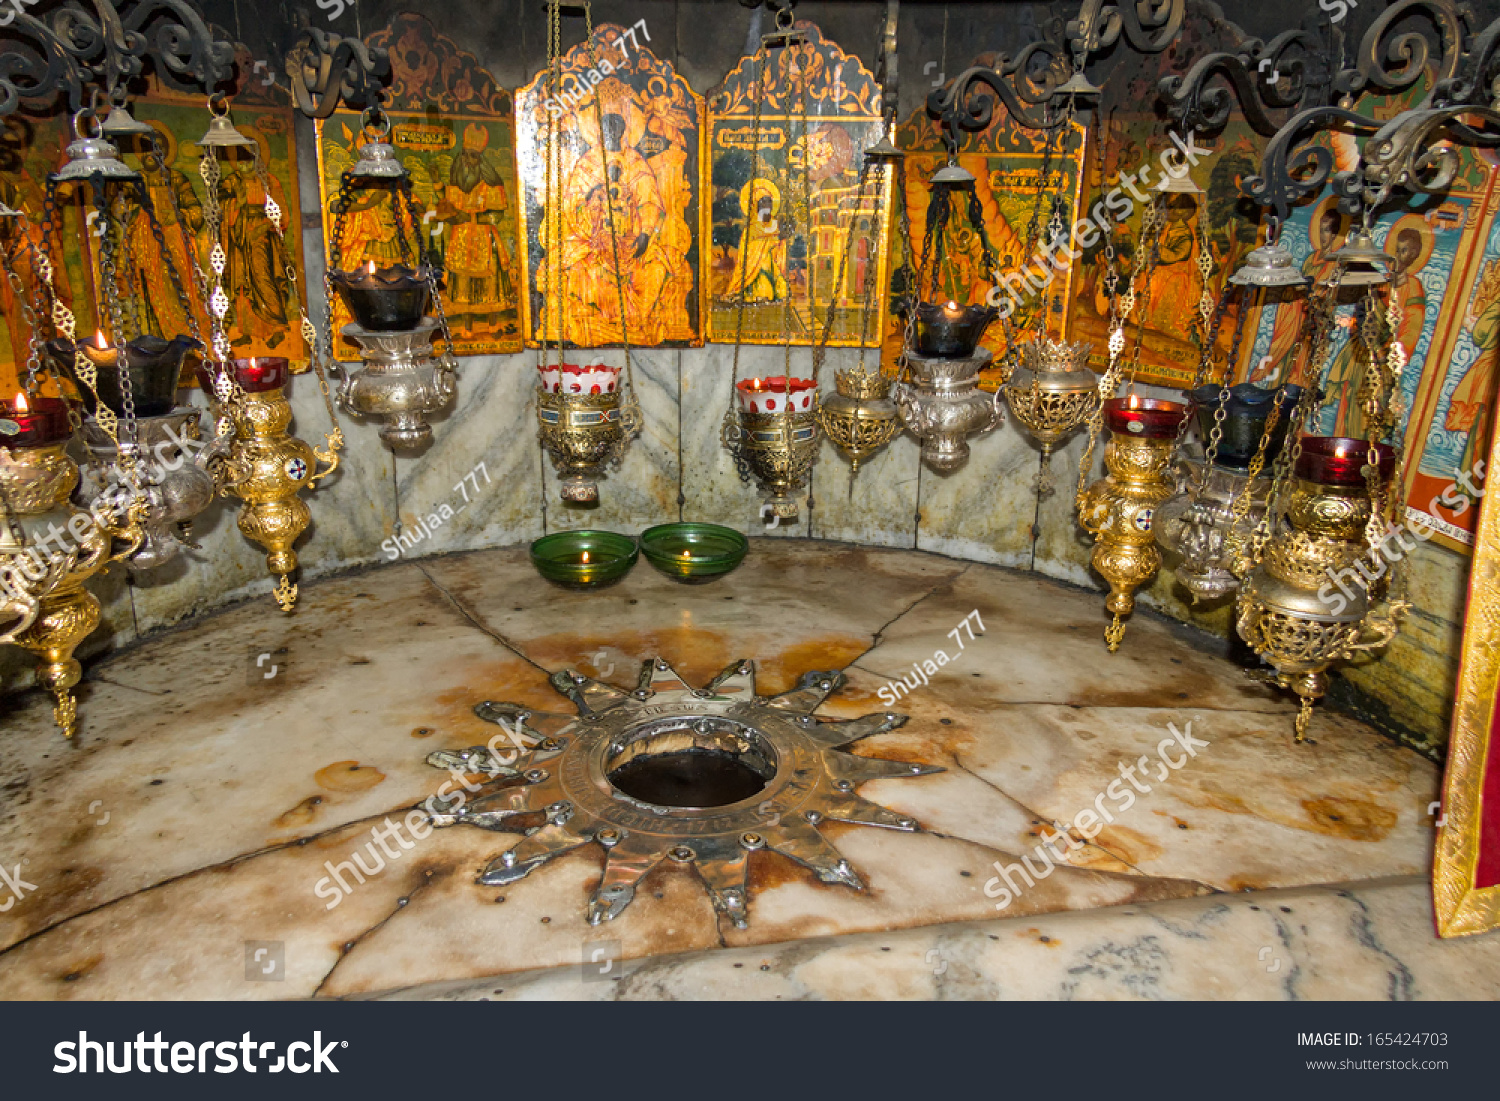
{"x":584,"y":559}
{"x":693,"y":552}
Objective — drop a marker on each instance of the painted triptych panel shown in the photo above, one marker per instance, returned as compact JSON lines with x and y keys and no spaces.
{"x":609,"y":251}
{"x":452,"y":128}
{"x":795,"y":251}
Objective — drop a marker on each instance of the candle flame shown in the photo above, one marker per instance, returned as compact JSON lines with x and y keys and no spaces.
{"x":585,"y":557}
{"x":21,"y":404}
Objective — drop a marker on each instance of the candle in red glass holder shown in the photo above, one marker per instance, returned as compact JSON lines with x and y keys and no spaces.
{"x":33,"y":421}
{"x":769,"y":395}
{"x":1340,"y":460}
{"x":1148,"y":418}
{"x":255,"y":375}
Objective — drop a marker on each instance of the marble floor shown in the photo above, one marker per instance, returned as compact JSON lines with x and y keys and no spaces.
{"x":182,"y":847}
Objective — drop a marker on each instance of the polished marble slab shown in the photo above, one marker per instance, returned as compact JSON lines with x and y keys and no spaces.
{"x":1370,"y":942}
{"x":230,"y":767}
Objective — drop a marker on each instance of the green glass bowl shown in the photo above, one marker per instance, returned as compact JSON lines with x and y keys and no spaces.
{"x":559,"y":558}
{"x":693,"y":552}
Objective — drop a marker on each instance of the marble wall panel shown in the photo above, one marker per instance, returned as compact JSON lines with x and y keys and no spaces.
{"x":494,"y":423}
{"x":878,"y":505}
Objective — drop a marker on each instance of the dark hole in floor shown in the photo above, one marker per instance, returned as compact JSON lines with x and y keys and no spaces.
{"x":688,"y":778}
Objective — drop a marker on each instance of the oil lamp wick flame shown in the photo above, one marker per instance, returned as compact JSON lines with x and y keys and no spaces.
{"x":99,"y":339}
{"x":585,"y":556}
{"x":21,"y":403}
{"x":1339,"y":451}
{"x":370,"y":268}
{"x":1135,"y":402}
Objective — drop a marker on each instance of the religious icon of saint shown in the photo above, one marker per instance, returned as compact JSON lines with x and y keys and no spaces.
{"x":1410,"y":242}
{"x":473,"y":204}
{"x":1286,"y":360}
{"x":761,"y":266}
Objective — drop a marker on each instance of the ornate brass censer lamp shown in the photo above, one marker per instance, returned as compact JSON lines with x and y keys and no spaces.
{"x":404,"y":378}
{"x":859,"y":416}
{"x":1051,"y":394}
{"x":938,"y":395}
{"x":1287,"y":611}
{"x":1051,"y":391}
{"x":584,"y":428}
{"x":1118,"y":509}
{"x":266,"y":467}
{"x":1311,"y":600}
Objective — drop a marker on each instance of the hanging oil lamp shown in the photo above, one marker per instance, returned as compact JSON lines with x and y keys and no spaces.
{"x":269,"y":467}
{"x":174,"y":473}
{"x":859,"y":417}
{"x":586,"y":416}
{"x":404,"y":379}
{"x":1118,"y":509}
{"x":1051,"y":394}
{"x":1288,"y":610}
{"x":264,"y":466}
{"x":49,"y":547}
{"x":582,"y":424}
{"x":775,"y":436}
{"x":1208,"y":524}
{"x":937,"y":396}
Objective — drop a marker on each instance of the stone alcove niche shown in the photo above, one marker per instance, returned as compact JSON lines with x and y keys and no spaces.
{"x":847,"y":561}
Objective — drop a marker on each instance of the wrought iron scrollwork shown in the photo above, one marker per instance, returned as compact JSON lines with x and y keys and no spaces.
{"x":75,"y":48}
{"x":326,"y":68}
{"x":1289,"y":172}
{"x":1413,"y":152}
{"x":1388,"y":62}
{"x":1297,"y":60}
{"x":1149,"y":25}
{"x":1039,"y":74}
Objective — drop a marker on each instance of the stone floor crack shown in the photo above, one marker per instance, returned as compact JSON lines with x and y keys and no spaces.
{"x":351,"y":945}
{"x":879,"y":635}
{"x":228,"y":863}
{"x":1041,"y":820}
{"x":479,"y":624}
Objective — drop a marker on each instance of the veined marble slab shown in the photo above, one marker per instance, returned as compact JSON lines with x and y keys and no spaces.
{"x":1371,"y":942}
{"x":229,"y":769}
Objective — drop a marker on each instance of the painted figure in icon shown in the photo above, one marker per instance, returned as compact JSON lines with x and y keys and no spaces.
{"x":760,"y":269}
{"x":1410,"y":243}
{"x":473,"y":205}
